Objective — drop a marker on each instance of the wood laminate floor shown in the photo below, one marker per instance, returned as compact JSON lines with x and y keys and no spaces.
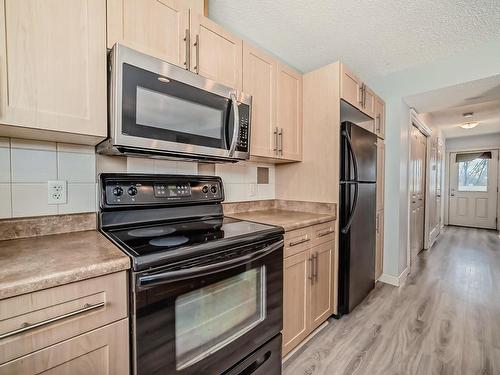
{"x":444,"y":320}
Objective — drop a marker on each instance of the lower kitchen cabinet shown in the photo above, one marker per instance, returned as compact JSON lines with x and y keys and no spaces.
{"x":296,"y":291}
{"x":100,"y":352}
{"x":308,"y":282}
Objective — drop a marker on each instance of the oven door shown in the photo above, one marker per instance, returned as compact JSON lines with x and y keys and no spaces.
{"x":163,"y":108}
{"x":206,"y":318}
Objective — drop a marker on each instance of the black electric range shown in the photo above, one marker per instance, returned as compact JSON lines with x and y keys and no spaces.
{"x":205,"y":290}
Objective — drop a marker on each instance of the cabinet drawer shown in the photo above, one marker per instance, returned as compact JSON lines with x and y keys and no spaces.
{"x":324,"y":232}
{"x":104,"y":351}
{"x":297,"y":241}
{"x":36,"y":320}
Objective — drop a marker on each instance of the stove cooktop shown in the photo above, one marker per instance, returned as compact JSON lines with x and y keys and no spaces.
{"x":171,"y":241}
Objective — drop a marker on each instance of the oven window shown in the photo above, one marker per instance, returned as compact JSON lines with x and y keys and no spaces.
{"x":167,"y":112}
{"x":210,"y":318}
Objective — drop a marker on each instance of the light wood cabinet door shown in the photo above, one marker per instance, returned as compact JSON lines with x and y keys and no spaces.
{"x":259,"y":80}
{"x":380,"y":173}
{"x":379,"y":117}
{"x":215,"y":53}
{"x":379,"y":255}
{"x":296,"y":297}
{"x":289,"y":113}
{"x":350,"y":87}
{"x":156,"y":27}
{"x":53,"y":66}
{"x":369,"y":102}
{"x":104,"y":351}
{"x":321,"y":290}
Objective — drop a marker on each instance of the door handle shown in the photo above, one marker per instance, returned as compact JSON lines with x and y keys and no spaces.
{"x":275,"y":149}
{"x":316,"y":266}
{"x":197,"y":61}
{"x":311,"y":268}
{"x":187,"y":42}
{"x":236,"y":126}
{"x":280,"y":133}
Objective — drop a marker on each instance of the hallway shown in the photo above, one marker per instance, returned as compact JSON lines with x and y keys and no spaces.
{"x":444,"y":320}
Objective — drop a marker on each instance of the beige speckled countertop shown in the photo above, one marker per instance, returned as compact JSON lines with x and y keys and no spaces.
{"x":30,"y":264}
{"x":289,"y":220}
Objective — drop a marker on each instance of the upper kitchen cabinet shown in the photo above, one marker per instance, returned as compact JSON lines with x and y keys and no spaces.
{"x":289,"y":113}
{"x":157,"y":28}
{"x":350,"y":87}
{"x":259,"y":80}
{"x":215,"y":53}
{"x":379,"y":117}
{"x":53,"y":70}
{"x":355,"y":92}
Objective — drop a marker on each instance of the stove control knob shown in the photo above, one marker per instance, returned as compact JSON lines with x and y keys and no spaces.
{"x":213,"y":189}
{"x":132,"y":190}
{"x":205,"y":189}
{"x":117,"y":191}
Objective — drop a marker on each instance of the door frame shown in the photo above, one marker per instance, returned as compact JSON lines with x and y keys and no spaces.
{"x":448,"y":177}
{"x":427,"y":132}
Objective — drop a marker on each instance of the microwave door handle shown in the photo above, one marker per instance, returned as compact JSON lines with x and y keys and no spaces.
{"x":149,"y":281}
{"x":236,"y":126}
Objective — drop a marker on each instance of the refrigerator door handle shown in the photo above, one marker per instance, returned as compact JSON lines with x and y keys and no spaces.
{"x":345,"y":134}
{"x":351,"y":214}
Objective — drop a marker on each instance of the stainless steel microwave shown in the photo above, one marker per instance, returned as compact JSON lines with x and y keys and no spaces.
{"x":161,"y":110}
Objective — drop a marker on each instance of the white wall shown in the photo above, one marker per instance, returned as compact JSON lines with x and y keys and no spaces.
{"x":471,"y":143}
{"x":26,"y":166}
{"x":466,"y":66}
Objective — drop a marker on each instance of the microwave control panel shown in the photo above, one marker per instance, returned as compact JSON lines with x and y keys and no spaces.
{"x":244,"y":135}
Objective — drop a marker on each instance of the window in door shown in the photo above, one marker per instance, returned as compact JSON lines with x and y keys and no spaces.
{"x":473,"y":171}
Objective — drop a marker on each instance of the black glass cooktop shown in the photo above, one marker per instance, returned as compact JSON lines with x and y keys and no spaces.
{"x":145,"y":240}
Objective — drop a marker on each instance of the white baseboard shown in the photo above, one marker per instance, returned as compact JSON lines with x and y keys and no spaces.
{"x":394,"y":280}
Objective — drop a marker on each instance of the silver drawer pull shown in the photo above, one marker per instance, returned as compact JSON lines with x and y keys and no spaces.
{"x":322,"y":234}
{"x":27,"y":327}
{"x":299,"y":241}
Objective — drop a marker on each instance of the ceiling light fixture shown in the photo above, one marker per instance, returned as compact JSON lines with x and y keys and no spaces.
{"x":469,"y":125}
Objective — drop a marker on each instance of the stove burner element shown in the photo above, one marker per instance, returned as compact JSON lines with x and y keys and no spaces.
{"x":169,"y":241}
{"x":151,"y":232}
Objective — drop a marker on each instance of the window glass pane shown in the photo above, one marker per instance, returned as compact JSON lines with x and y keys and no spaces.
{"x":473,"y":175}
{"x":209,"y":318}
{"x":167,"y":112}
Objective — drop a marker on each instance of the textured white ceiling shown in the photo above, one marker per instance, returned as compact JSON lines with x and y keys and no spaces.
{"x":488,"y":115}
{"x":374,"y":37}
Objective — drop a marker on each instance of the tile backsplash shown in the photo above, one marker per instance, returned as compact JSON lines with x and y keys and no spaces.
{"x":26,"y":166}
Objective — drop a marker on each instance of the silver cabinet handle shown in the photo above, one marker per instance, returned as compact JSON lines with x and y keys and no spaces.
{"x":187,"y":42}
{"x":376,"y":224}
{"x":310,"y":271}
{"x":302,"y":240}
{"x":28,"y":327}
{"x":236,"y":126}
{"x":275,"y":149}
{"x":326,"y":232}
{"x":361,"y":88}
{"x":280,"y":133}
{"x":197,"y":61}
{"x":315,"y":266}
{"x":377,"y":119}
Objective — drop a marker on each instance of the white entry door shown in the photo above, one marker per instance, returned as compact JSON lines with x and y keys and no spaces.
{"x":473,"y":189}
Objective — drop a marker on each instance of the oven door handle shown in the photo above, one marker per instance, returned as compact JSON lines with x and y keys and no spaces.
{"x":148,"y":281}
{"x":236,"y":126}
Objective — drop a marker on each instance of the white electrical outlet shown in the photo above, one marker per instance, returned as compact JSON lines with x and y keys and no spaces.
{"x":56,"y":192}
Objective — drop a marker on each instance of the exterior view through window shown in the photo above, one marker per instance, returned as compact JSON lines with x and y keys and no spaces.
{"x":473,"y":175}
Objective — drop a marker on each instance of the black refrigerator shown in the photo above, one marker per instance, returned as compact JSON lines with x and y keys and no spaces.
{"x":358,"y":172}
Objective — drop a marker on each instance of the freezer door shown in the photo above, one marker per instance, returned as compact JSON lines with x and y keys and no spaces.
{"x":357,"y":246}
{"x":364,"y":150}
